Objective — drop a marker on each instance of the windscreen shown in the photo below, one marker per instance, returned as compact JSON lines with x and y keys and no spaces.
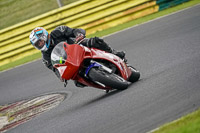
{"x":58,"y":55}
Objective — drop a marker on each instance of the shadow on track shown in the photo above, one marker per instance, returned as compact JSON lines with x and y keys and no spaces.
{"x":99,"y":98}
{"x":89,"y":103}
{"x":85,"y":105}
{"x":94,"y":101}
{"x":103,"y":97}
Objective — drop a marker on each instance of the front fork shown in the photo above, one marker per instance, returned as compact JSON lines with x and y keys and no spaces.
{"x":98,"y":65}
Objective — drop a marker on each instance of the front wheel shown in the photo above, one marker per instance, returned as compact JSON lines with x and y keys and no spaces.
{"x":108,"y":79}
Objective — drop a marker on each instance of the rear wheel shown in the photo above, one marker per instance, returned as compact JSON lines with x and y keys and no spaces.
{"x":108,"y":79}
{"x":135,"y":75}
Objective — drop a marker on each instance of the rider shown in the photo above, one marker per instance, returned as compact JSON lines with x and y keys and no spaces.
{"x":45,"y":42}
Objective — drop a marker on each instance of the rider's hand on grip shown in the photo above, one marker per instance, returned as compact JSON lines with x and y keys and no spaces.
{"x":79,"y":38}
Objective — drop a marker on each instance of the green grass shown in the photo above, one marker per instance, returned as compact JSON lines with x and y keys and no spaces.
{"x":187,"y":124}
{"x":111,"y":30}
{"x":15,"y":11}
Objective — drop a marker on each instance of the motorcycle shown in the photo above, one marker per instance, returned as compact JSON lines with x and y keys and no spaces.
{"x":92,"y":67}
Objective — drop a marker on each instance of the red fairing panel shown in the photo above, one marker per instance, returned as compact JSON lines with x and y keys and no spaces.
{"x":99,"y":54}
{"x":75,"y":56}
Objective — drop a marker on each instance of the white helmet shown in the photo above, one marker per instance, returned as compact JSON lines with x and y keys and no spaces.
{"x":40,"y":39}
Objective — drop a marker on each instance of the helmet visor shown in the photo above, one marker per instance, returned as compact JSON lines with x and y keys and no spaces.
{"x":39,"y":44}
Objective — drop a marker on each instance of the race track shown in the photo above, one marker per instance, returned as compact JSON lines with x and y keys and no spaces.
{"x":167,"y":53}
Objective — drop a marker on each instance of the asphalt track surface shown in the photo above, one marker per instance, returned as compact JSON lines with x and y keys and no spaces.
{"x":167,"y":53}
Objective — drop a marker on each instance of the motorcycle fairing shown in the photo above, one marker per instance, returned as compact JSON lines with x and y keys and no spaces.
{"x":76,"y":54}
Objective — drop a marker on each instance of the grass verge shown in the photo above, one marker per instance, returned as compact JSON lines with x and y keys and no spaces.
{"x":187,"y":124}
{"x":111,"y":30}
{"x":15,"y":11}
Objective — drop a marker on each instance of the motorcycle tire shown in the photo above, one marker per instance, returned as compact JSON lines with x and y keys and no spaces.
{"x":108,"y":79}
{"x":135,"y":75}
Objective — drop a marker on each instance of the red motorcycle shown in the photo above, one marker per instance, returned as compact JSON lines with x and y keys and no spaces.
{"x":92,"y":67}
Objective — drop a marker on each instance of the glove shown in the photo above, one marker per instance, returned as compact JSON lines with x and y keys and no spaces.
{"x":79,"y":38}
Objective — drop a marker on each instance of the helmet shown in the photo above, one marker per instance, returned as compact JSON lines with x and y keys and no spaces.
{"x":40,"y":39}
